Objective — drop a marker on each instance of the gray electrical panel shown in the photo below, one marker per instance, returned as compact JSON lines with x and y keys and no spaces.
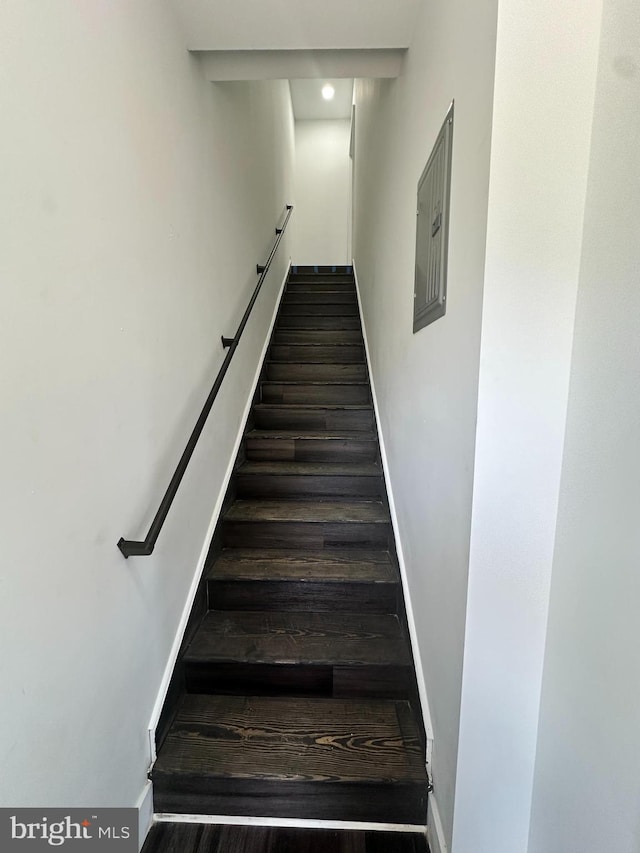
{"x":432,"y":233}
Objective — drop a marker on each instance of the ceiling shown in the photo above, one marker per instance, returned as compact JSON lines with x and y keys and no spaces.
{"x":308,"y":103}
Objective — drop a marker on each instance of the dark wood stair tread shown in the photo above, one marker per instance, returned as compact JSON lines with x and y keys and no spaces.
{"x":316,"y":372}
{"x":320,"y":435}
{"x":336,"y":512}
{"x":292,"y":565}
{"x":321,"y":297}
{"x":319,"y":323}
{"x":347,"y":353}
{"x":319,"y":441}
{"x":356,"y":417}
{"x":317,"y":336}
{"x":312,"y":407}
{"x":299,"y":638}
{"x":314,"y":276}
{"x":308,"y":391}
{"x":321,"y":383}
{"x":315,"y":469}
{"x":292,"y":740}
{"x":283,"y":579}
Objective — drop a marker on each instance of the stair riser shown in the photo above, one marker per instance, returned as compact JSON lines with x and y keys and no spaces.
{"x":302,"y":596}
{"x":256,"y":679}
{"x":324,"y":800}
{"x":314,"y":419}
{"x":301,"y":534}
{"x":320,"y":323}
{"x":345,"y":296}
{"x":308,"y":485}
{"x":274,"y":392}
{"x":317,"y":354}
{"x":311,"y":449}
{"x":277,"y":371}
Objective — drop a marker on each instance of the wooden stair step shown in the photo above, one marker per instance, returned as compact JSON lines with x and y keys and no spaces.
{"x":289,"y":308}
{"x":313,"y":277}
{"x":283,"y":478}
{"x":305,"y":372}
{"x":317,"y":353}
{"x":333,"y":281}
{"x":252,"y":579}
{"x":284,"y":391}
{"x":350,"y":566}
{"x":299,"y":638}
{"x":317,"y":336}
{"x":341,"y":295}
{"x":293,"y":757}
{"x":311,"y":469}
{"x":309,"y":446}
{"x":320,"y":287}
{"x":321,"y":269}
{"x":319,"y":323}
{"x":314,"y":417}
{"x":316,"y":512}
{"x":325,"y":653}
{"x":306,"y":524}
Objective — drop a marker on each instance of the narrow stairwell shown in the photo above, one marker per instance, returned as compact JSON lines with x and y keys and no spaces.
{"x":295,"y":693}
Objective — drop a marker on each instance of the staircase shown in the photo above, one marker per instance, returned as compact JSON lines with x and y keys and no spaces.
{"x":295,"y":693}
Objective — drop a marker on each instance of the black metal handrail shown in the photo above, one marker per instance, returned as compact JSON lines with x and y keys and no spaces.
{"x":133,"y":548}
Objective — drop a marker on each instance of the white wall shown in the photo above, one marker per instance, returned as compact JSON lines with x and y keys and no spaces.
{"x":586,"y":781}
{"x":426,"y":383}
{"x":546,"y":58}
{"x":296,"y":24}
{"x":323,"y":192}
{"x":136,"y":200}
{"x":297,"y":64}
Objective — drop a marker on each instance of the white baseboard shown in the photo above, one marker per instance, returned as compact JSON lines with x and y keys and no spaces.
{"x":145,"y":813}
{"x":435,"y":831}
{"x":422,"y":687}
{"x":182,"y":626}
{"x":296,"y":823}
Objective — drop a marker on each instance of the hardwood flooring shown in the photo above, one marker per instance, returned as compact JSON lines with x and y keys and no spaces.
{"x":204,"y":838}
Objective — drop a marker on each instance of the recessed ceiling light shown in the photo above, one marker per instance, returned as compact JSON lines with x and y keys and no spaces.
{"x":328,"y":92}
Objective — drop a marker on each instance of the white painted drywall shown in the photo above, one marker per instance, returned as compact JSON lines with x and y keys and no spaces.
{"x":546,"y":59}
{"x":323,"y":192}
{"x":291,"y":64}
{"x":136,"y":200}
{"x":426,"y":383}
{"x":295,"y":24}
{"x":586,"y":781}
